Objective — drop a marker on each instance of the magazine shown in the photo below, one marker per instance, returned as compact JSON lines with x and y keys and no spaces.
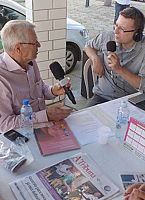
{"x":128,"y":179}
{"x":77,"y":177}
{"x":54,"y":139}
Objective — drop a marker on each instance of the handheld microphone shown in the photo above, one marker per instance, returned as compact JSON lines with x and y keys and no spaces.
{"x":59,"y":74}
{"x":111,"y":46}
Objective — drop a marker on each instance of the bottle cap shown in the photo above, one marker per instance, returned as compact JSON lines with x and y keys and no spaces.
{"x":124,"y":104}
{"x":25,"y":102}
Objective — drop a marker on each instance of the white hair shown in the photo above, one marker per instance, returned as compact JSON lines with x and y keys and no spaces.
{"x":15,"y":31}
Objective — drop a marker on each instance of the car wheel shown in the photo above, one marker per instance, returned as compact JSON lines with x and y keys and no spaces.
{"x":71,"y":58}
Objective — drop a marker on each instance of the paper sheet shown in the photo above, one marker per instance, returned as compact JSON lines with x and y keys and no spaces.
{"x":111,"y":108}
{"x":84,"y":126}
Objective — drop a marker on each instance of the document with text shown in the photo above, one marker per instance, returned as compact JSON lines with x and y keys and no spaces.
{"x":111,"y":108}
{"x":84,"y":126}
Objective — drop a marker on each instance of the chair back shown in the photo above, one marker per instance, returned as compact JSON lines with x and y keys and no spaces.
{"x":87,"y":65}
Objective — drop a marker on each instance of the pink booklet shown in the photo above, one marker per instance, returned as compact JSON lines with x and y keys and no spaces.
{"x":57,"y":138}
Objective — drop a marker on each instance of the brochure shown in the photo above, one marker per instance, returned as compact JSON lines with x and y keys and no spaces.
{"x":77,"y":177}
{"x":128,"y":179}
{"x":54,"y":139}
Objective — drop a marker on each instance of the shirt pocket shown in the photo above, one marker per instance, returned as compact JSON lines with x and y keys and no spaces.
{"x":36,"y":90}
{"x":18,"y":101}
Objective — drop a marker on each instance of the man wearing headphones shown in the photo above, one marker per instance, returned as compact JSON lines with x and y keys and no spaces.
{"x":121,"y":72}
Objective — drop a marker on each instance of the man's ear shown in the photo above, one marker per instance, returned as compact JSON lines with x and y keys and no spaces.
{"x":18,"y":48}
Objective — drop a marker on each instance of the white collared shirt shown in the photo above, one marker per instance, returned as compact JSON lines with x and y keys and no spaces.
{"x":17,"y":84}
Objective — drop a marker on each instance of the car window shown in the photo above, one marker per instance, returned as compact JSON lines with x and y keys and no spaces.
{"x":7,"y":14}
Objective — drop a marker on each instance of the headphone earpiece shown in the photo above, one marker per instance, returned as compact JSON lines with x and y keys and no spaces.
{"x":139,"y":33}
{"x":137,"y":36}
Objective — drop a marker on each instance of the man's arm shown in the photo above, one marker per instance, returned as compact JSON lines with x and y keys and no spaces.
{"x":133,"y":79}
{"x":113,"y":62}
{"x":97,"y":66}
{"x":9,"y":120}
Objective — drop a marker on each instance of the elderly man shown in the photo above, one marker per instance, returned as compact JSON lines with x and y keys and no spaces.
{"x":20,"y":78}
{"x":121,"y":72}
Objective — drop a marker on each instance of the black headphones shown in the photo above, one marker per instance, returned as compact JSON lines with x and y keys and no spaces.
{"x":137,"y":36}
{"x":139,"y":33}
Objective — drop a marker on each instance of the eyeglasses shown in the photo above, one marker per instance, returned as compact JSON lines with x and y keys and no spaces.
{"x":30,"y":43}
{"x":121,"y":29}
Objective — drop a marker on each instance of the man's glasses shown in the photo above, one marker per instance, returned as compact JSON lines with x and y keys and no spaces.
{"x":121,"y":29}
{"x":30,"y":43}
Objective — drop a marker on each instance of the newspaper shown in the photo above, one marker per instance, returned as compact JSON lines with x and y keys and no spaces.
{"x":77,"y":177}
{"x":128,"y":179}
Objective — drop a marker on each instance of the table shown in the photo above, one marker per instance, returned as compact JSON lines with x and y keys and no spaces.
{"x":112,"y":158}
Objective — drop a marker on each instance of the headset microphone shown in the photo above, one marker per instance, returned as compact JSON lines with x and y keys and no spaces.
{"x":59,"y":74}
{"x":111,"y":46}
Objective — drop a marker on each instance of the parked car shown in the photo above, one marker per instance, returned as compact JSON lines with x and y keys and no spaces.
{"x":77,"y":35}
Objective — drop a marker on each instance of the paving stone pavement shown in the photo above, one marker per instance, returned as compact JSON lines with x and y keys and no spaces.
{"x":96,"y":17}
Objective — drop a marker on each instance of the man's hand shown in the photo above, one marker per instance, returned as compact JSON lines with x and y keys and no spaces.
{"x":135,"y":192}
{"x":56,"y":112}
{"x":113,"y":61}
{"x":1,"y":198}
{"x":98,"y":67}
{"x":57,"y":90}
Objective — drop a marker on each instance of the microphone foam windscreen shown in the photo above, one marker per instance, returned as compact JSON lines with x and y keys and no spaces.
{"x":111,"y":46}
{"x":57,"y":70}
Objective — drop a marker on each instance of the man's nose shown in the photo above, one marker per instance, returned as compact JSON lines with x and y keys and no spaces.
{"x":38,"y":44}
{"x":116,"y":30}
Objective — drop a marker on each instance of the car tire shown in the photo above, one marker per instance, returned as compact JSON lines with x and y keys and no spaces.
{"x":71,"y":58}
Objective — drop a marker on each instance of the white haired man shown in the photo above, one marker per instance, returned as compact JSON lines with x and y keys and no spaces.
{"x":20,"y":78}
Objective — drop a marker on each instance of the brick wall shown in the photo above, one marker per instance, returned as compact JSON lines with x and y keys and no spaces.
{"x":50,"y":19}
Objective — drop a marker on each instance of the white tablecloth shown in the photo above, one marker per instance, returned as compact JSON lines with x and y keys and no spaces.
{"x":112,"y":158}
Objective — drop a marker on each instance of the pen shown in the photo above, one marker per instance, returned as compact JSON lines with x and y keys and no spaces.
{"x":64,"y":130}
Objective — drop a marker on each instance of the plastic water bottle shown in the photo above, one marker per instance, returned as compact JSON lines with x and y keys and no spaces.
{"x":122,"y":120}
{"x":26,"y":119}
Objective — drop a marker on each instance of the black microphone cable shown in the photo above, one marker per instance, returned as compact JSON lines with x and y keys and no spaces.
{"x":114,"y":82}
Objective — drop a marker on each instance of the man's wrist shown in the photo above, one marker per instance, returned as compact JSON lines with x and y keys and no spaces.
{"x":95,"y":58}
{"x":120,"y":70}
{"x":53,"y":92}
